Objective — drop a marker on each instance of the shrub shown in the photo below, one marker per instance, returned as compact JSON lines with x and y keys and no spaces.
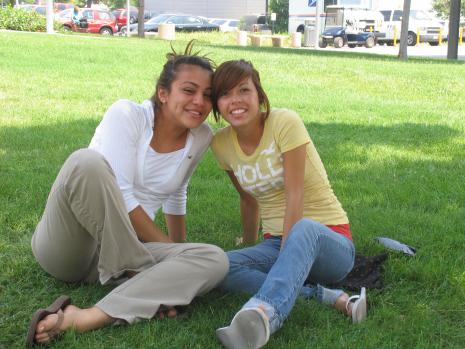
{"x":281,"y":8}
{"x":18,"y":19}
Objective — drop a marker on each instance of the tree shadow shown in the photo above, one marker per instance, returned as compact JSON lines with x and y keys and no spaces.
{"x":403,"y":181}
{"x":399,"y":180}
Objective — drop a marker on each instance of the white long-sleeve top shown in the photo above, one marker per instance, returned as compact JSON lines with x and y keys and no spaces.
{"x":123,"y":138}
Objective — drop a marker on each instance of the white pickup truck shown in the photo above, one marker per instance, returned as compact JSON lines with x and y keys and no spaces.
{"x":420,"y":23}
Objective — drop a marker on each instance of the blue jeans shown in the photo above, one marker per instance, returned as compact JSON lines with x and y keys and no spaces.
{"x":277,"y":276}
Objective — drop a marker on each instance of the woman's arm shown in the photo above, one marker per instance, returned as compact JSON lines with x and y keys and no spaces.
{"x":250,"y":218}
{"x":176,"y":225}
{"x":294,"y":173}
{"x":116,"y":138}
{"x":145,"y":229}
{"x":174,"y":209}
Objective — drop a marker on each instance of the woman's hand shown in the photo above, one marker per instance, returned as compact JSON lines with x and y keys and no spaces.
{"x":176,"y":225}
{"x":145,"y":229}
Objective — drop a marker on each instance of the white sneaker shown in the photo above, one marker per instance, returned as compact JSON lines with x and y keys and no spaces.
{"x":249,"y":329}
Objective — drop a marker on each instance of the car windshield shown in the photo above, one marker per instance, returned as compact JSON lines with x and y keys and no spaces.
{"x":65,"y":13}
{"x":334,"y":17}
{"x":158,"y":19}
{"x":219,"y":21}
{"x":420,"y":15}
{"x":40,"y":10}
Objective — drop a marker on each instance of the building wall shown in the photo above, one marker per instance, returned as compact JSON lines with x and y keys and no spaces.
{"x":376,"y":4}
{"x":426,"y":5}
{"x":208,"y":8}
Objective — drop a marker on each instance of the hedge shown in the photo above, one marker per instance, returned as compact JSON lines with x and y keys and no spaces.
{"x":18,"y":19}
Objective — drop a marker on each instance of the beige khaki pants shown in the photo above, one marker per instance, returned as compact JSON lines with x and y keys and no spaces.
{"x":85,"y":235}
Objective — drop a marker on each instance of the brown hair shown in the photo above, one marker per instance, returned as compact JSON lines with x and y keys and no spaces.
{"x":231,"y":73}
{"x":174,"y":61}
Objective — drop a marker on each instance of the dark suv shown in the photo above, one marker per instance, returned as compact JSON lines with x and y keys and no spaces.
{"x":255,"y":23}
{"x":181,"y":22}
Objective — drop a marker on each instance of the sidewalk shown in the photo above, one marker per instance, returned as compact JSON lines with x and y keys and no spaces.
{"x":422,"y":50}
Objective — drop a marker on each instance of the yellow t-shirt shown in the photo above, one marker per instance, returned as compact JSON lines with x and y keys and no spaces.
{"x":262,"y":175}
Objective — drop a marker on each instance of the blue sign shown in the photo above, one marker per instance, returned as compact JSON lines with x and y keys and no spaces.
{"x":311,"y":3}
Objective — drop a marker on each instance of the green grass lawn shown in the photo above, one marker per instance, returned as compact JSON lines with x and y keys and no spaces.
{"x":391,"y":135}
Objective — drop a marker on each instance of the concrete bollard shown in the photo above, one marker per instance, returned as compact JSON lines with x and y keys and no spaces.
{"x":257,"y":40}
{"x":278,"y":41}
{"x":296,"y":39}
{"x":167,"y":31}
{"x":242,"y":38}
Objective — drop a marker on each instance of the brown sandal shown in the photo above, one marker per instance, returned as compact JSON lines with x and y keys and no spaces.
{"x":55,"y":308}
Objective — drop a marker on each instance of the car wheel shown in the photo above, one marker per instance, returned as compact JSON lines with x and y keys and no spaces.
{"x":370,"y":42}
{"x":300,"y":29}
{"x":434,"y":43}
{"x":322,"y":43}
{"x":66,"y":28}
{"x":351,"y":45}
{"x":132,"y":20}
{"x":106,"y":31}
{"x":338,"y":42}
{"x":390,"y":43}
{"x":411,"y":39}
{"x":380,"y":43}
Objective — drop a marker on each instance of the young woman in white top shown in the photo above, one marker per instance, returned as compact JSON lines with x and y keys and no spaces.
{"x":98,"y":220}
{"x":281,"y":181}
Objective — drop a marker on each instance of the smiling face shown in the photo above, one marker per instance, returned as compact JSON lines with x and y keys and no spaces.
{"x":240,"y":105}
{"x":188,"y":101}
{"x":240,"y":79}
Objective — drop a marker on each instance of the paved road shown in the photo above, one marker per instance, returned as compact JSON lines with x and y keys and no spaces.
{"x":422,"y":50}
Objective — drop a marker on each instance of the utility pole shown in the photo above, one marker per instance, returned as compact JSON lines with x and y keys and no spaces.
{"x":140,"y":19}
{"x":454,"y":23}
{"x":49,"y":16}
{"x":404,"y":30}
{"x":317,"y":23}
{"x":266,"y":12}
{"x":128,"y":17}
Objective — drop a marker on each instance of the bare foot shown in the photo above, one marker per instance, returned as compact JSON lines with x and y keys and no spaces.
{"x":341,"y":304}
{"x":131,"y":273}
{"x":167,"y":311}
{"x":75,"y":318}
{"x":45,"y":326}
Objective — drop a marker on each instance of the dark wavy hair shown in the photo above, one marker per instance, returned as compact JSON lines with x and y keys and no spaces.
{"x":231,"y":73}
{"x":174,"y":61}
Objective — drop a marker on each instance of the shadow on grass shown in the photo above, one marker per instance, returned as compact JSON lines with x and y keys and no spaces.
{"x":47,"y":138}
{"x":403,"y":180}
{"x":399,"y":179}
{"x":397,"y":135}
{"x":415,"y":198}
{"x":32,"y":156}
